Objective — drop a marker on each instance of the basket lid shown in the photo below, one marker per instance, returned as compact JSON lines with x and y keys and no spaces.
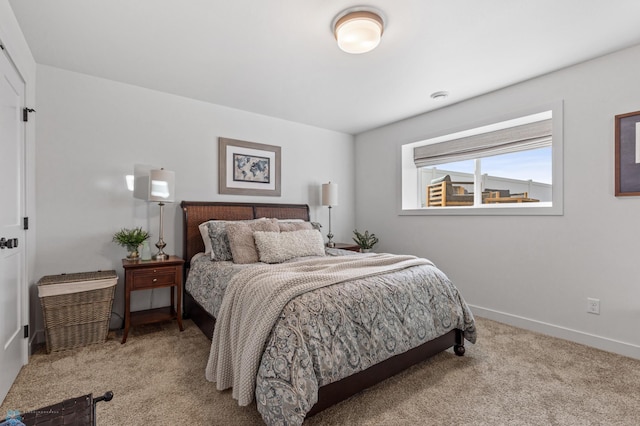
{"x":79,"y":276}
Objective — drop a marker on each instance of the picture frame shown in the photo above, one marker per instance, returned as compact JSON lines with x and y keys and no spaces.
{"x":627,"y":154}
{"x":248,"y":168}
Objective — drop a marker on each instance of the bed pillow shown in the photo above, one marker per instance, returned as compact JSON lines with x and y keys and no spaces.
{"x":215,"y":238}
{"x":241,"y":242}
{"x":294,"y":226}
{"x":204,"y":233}
{"x":217,"y":241}
{"x":276,"y":247}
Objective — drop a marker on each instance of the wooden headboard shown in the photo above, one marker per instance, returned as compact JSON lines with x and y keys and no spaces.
{"x":196,"y":212}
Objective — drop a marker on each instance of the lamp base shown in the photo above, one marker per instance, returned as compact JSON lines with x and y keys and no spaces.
{"x":160,"y":256}
{"x":330,"y":243}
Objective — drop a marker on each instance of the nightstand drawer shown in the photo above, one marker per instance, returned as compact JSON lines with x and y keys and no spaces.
{"x":156,"y":277}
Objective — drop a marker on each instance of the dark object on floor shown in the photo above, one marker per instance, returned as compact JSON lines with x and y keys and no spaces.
{"x":79,"y":411}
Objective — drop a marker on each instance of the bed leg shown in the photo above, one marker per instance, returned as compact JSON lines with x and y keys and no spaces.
{"x":458,"y":348}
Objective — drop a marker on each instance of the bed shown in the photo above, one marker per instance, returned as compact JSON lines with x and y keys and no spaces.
{"x":359,"y":375}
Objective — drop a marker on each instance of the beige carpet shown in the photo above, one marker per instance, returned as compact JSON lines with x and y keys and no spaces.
{"x":510,"y":377}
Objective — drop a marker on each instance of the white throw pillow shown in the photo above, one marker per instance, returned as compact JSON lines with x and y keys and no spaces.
{"x":204,"y":232}
{"x":276,"y":247}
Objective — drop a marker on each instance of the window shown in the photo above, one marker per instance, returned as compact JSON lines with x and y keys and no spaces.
{"x":509,"y":167}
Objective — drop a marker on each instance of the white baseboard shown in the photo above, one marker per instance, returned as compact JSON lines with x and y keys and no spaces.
{"x":599,"y":342}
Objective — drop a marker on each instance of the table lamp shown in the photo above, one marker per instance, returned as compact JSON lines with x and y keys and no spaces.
{"x":330,"y":198}
{"x":157,"y":185}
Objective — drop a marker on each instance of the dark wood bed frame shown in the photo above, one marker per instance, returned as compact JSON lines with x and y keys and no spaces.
{"x":197,"y":212}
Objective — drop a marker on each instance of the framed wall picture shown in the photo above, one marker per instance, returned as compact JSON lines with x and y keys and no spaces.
{"x":627,"y":129}
{"x":248,"y":168}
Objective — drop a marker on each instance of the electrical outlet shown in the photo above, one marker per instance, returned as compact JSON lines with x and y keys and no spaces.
{"x":593,"y":306}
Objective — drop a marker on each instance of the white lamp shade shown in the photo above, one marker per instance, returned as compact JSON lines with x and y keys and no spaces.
{"x":162,"y":186}
{"x":329,"y":194}
{"x":153,"y":184}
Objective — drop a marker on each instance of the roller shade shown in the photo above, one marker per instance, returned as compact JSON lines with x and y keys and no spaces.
{"x":503,"y":141}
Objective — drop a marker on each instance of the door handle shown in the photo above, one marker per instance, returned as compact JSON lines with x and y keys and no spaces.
{"x":10,"y":243}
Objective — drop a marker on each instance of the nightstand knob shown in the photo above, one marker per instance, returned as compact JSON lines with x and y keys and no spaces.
{"x":154,"y":271}
{"x":155,"y":279}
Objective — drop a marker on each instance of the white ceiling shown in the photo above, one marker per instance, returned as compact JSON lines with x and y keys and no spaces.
{"x":279,"y":58}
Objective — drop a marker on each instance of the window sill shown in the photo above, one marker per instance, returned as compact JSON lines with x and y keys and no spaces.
{"x":515,"y":209}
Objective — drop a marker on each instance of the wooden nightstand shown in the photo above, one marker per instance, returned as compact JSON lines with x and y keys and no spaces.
{"x":148,"y":274}
{"x":347,"y":246}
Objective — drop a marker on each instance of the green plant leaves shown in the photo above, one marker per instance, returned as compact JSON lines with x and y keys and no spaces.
{"x":130,"y":237}
{"x":366,"y":240}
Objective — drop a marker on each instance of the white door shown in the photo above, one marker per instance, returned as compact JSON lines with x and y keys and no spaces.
{"x":13,"y":345}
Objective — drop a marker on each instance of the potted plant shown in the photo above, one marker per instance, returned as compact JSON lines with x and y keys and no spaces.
{"x":366,"y":241}
{"x":131,"y":240}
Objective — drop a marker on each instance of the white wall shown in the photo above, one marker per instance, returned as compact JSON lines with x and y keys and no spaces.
{"x":531,"y":271}
{"x":91,"y":133}
{"x":12,"y":39}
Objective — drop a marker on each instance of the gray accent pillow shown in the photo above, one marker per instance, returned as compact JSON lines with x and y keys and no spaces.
{"x":218,"y":240}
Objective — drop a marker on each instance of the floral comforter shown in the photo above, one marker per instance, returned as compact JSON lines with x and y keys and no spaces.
{"x":333,"y":332}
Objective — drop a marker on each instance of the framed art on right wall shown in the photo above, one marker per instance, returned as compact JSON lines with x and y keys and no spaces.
{"x":627,"y":135}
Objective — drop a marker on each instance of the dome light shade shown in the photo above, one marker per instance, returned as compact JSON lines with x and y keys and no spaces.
{"x":358,"y":31}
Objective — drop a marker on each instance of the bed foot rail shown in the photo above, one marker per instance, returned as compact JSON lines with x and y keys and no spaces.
{"x":458,"y":348}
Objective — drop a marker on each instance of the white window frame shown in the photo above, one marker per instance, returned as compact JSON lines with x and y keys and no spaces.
{"x":408,"y":201}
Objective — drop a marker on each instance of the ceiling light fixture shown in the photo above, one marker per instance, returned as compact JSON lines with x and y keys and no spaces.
{"x":358,"y":30}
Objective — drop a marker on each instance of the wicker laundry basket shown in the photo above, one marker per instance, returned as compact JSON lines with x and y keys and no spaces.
{"x":76,"y":308}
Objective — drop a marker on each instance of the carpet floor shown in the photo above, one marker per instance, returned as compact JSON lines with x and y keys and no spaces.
{"x":510,"y":377}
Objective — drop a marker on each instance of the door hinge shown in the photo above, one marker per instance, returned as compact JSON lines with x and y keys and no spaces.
{"x":26,"y":331}
{"x":25,"y":113}
{"x":25,"y":223}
